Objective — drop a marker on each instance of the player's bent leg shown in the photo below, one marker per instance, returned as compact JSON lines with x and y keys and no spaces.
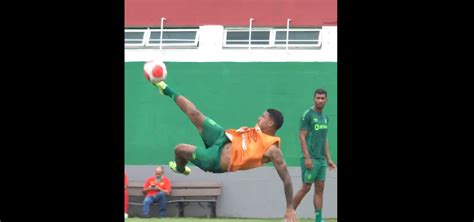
{"x":213,"y":134}
{"x":208,"y":159}
{"x":183,"y":153}
{"x":305,"y":188}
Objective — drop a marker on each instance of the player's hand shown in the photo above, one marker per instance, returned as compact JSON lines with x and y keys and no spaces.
{"x":308,"y":163}
{"x":331,"y":165}
{"x":290,"y":216}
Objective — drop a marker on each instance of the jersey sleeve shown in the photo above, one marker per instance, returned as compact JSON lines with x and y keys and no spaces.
{"x":305,"y":121}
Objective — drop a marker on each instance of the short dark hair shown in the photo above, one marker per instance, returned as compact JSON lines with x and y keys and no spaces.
{"x":320,"y":91}
{"x":277,"y":116}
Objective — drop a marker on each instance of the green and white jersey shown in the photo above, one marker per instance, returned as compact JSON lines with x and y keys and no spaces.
{"x":316,"y":124}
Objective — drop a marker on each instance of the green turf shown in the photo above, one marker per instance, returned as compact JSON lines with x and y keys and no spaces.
{"x":215,"y":220}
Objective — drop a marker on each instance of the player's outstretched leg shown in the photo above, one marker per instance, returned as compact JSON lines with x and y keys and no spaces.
{"x":196,"y":117}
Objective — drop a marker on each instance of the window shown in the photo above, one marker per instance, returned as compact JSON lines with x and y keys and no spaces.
{"x":173,"y":37}
{"x":297,"y":37}
{"x":235,"y":37}
{"x":272,"y":37}
{"x":151,"y":37}
{"x":134,"y":37}
{"x":240,"y":38}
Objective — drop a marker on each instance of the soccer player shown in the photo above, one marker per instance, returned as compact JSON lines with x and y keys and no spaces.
{"x":315,"y":149}
{"x":232,"y":150}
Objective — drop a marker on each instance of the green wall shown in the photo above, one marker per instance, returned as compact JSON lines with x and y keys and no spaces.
{"x":233,"y":94}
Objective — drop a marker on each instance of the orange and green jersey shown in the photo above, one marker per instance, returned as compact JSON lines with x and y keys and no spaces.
{"x":248,"y":147}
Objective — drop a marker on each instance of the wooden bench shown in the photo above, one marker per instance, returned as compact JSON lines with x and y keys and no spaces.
{"x":183,"y":193}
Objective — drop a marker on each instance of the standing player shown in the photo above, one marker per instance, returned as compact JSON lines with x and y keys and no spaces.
{"x":315,"y":148}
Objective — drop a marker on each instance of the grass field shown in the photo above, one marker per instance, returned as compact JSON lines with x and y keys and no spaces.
{"x":214,"y":220}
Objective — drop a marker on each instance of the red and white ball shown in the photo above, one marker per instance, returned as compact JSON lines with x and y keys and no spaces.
{"x":155,"y":71}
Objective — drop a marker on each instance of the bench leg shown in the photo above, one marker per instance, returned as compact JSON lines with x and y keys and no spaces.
{"x":212,"y":206}
{"x":181,"y":209}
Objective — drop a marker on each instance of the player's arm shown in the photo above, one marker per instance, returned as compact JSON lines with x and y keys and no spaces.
{"x":328,"y":156}
{"x":280,"y":165}
{"x":305,"y":125}
{"x":304,"y":147}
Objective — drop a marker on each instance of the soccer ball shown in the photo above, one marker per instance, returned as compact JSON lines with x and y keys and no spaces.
{"x":155,"y":71}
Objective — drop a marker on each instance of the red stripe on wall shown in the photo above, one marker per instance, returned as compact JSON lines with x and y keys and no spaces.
{"x":193,"y":13}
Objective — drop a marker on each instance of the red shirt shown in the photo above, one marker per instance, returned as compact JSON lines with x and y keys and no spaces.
{"x":164,"y":184}
{"x":126,"y":181}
